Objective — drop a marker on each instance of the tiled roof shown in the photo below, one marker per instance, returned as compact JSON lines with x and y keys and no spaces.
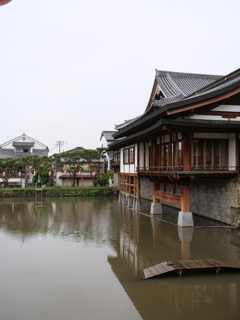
{"x":40,"y":152}
{"x":226,"y":84}
{"x":174,"y":83}
{"x":161,"y":102}
{"x":125,"y":123}
{"x":175,"y":86}
{"x":6,"y":153}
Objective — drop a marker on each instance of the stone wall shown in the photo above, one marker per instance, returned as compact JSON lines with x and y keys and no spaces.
{"x":235,"y":195}
{"x":212,"y":198}
{"x":116,"y":180}
{"x":146,"y":187}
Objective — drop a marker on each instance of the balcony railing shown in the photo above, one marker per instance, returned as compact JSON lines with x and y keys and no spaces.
{"x":190,"y":169}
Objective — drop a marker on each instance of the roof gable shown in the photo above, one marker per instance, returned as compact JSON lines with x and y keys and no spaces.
{"x":23,"y":140}
{"x":171,"y":86}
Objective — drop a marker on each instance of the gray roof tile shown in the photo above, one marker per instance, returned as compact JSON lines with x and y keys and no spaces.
{"x":6,"y":153}
{"x":175,"y":83}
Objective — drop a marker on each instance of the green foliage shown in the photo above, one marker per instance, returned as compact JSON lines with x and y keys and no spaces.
{"x":93,"y":193}
{"x":27,"y":191}
{"x":27,"y":162}
{"x":103,"y":180}
{"x":106,"y":193}
{"x":93,"y":158}
{"x":10,"y":166}
{"x":238,"y":211}
{"x":73,"y":163}
{"x":44,"y":177}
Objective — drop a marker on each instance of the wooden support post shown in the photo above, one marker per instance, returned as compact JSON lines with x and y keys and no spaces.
{"x":185,"y":196}
{"x":154,"y":190}
{"x":186,"y":151}
{"x":156,"y":207}
{"x":154,"y":153}
{"x":185,"y":218}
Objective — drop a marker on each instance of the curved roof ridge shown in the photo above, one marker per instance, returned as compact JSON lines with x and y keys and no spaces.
{"x":178,"y":73}
{"x":126,"y":122}
{"x":166,"y":87}
{"x":175,"y":85}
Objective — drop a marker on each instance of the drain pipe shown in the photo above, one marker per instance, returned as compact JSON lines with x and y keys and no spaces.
{"x":108,"y":168}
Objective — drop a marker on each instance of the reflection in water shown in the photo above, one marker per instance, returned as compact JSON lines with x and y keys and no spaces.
{"x":59,"y":257}
{"x":87,"y":221}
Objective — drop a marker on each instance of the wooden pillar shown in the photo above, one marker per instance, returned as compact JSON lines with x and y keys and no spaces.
{"x":185,"y":196}
{"x":154,"y":153}
{"x":155,"y":188}
{"x":156,"y":207}
{"x":186,"y":151}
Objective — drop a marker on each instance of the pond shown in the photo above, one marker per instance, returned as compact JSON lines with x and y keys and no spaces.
{"x":83,"y":258}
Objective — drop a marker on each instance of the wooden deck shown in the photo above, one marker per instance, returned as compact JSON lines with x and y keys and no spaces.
{"x":181,"y":266}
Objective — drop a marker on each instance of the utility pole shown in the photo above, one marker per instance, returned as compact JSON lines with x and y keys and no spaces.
{"x":59,"y":144}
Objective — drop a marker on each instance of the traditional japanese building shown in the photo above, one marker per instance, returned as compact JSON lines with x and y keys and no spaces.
{"x":183,"y":151}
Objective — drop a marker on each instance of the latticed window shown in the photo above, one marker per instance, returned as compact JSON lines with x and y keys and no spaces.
{"x":210,"y":154}
{"x":128,"y":155}
{"x":116,"y":157}
{"x":125,"y":156}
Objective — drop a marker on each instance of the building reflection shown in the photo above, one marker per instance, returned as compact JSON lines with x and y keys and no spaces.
{"x":144,"y":242}
{"x":80,"y":219}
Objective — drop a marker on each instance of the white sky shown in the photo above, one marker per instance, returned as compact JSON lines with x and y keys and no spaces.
{"x":70,"y":69}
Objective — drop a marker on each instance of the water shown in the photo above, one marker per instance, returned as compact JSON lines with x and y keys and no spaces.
{"x":83,"y":259}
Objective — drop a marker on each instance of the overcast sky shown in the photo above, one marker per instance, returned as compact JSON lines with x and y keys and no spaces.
{"x":71,"y":69}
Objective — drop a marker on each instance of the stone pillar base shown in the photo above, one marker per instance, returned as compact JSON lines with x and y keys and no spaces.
{"x":156,"y":208}
{"x":120,"y":196}
{"x":185,"y":219}
{"x":130,"y":202}
{"x":137,"y":205}
{"x":124,"y":199}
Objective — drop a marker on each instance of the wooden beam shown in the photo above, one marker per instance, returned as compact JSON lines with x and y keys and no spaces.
{"x":204,"y":103}
{"x":169,"y":197}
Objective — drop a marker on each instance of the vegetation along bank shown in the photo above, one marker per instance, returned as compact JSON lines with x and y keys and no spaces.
{"x":60,"y":192}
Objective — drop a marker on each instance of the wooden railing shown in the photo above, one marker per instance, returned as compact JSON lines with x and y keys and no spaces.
{"x":179,"y":169}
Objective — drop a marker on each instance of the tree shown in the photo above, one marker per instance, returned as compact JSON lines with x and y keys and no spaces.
{"x":43,"y":175}
{"x":27,"y":163}
{"x":56,"y":164}
{"x":10,"y":167}
{"x":40,"y":166}
{"x":93,"y":158}
{"x":72,"y":164}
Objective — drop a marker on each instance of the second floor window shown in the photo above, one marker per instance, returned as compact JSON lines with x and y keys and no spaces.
{"x":116,"y":157}
{"x":210,"y":154}
{"x":128,"y":155}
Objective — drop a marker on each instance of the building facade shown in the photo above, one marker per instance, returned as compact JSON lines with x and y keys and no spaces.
{"x":183,"y":151}
{"x":18,"y":147}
